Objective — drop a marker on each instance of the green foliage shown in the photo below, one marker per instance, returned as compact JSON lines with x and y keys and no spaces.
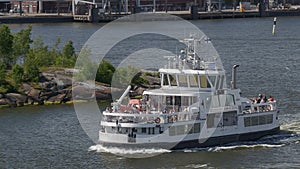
{"x":39,"y":54}
{"x":67,"y":58}
{"x":86,"y":67}
{"x":6,"y":44}
{"x":68,"y":50}
{"x":138,"y":79}
{"x":17,"y":73}
{"x":128,"y":75}
{"x":105,"y":72}
{"x":2,"y":72}
{"x":21,"y":42}
{"x":32,"y":72}
{"x":7,"y":88}
{"x":153,"y":74}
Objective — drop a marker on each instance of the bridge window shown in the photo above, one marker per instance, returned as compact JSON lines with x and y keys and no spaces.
{"x":182,"y":79}
{"x":204,"y":83}
{"x":173,"y":81}
{"x":212,"y":80}
{"x":194,"y":81}
{"x":165,"y":81}
{"x":220,"y":82}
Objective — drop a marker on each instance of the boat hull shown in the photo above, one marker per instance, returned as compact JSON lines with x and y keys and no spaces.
{"x":213,"y":141}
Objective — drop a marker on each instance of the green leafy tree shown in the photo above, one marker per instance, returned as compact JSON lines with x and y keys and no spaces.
{"x":56,"y":54}
{"x":32,"y":72}
{"x":6,"y":44}
{"x":39,"y":54}
{"x":2,"y":72}
{"x":105,"y":72}
{"x":17,"y":73}
{"x":67,"y":58}
{"x":128,"y":75}
{"x":86,"y":67}
{"x":68,"y":50}
{"x":21,"y":42}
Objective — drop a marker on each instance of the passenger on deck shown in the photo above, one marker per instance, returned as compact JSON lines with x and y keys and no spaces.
{"x":271,"y":99}
{"x":258,"y":100}
{"x":264,"y":99}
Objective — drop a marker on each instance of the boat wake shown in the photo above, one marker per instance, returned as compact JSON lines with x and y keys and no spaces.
{"x":130,"y":153}
{"x":293,"y":126}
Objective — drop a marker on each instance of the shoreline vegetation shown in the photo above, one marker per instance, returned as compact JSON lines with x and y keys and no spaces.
{"x":31,"y":73}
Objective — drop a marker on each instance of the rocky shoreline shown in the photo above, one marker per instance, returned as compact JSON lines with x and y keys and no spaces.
{"x":57,"y":87}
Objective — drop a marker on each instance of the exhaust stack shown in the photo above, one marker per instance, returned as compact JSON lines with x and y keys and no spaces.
{"x":233,"y":76}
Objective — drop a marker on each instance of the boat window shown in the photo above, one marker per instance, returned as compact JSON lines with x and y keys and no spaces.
{"x":182,"y":79}
{"x":164,"y":79}
{"x":258,"y":120}
{"x":229,"y":100}
{"x":184,"y":129}
{"x":269,"y":119}
{"x":169,"y":100}
{"x":219,"y":101}
{"x":247,"y":121}
{"x":213,"y":119}
{"x":212,"y":80}
{"x":226,"y":100}
{"x":194,"y":81}
{"x":254,"y":120}
{"x":196,"y":128}
{"x":185,"y":101}
{"x":177,"y":103}
{"x":221,"y":82}
{"x":173,"y":80}
{"x":144,"y":130}
{"x":230,"y":118}
{"x":212,"y":102}
{"x":155,"y":103}
{"x":262,"y":120}
{"x":204,"y":82}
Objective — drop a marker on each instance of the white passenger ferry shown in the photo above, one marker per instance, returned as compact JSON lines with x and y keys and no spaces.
{"x":192,"y":109}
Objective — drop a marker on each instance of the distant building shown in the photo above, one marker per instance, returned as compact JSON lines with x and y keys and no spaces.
{"x":27,"y":7}
{"x":42,"y":7}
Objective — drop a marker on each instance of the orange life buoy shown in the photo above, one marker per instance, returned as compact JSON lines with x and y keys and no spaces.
{"x":157,"y":120}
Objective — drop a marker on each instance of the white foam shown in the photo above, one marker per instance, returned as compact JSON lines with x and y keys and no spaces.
{"x":131,"y":153}
{"x":197,"y":166}
{"x":292,"y":126}
{"x":217,"y":149}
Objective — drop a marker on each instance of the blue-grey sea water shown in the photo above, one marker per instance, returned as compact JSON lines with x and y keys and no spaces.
{"x":51,"y":136}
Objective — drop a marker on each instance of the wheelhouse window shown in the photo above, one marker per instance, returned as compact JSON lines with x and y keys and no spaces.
{"x":165,"y":81}
{"x":194,"y":82}
{"x":173,"y":80}
{"x":212,"y":80}
{"x":220,"y":82}
{"x":182,"y":79}
{"x":204,"y":83}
